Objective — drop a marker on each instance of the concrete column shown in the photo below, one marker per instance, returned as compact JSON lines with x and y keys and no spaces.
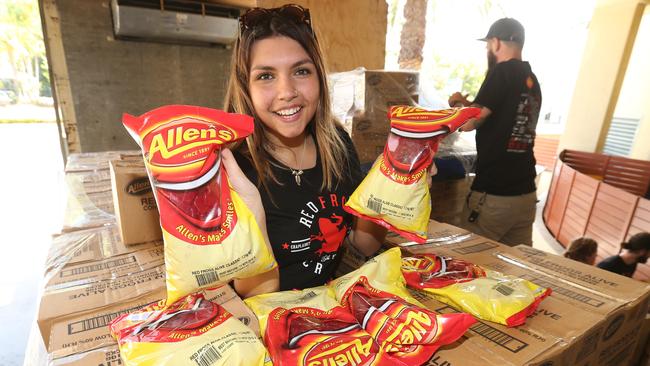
{"x":640,"y":93}
{"x":641,"y":147}
{"x":612,"y":32}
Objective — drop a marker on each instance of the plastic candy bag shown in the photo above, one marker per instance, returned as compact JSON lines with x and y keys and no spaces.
{"x":312,"y":337}
{"x":210,"y":235}
{"x":409,"y":333}
{"x":321,"y":298}
{"x":383,"y":273}
{"x":486,"y":294}
{"x":190,"y":331}
{"x":395,"y":193}
{"x":352,"y":321}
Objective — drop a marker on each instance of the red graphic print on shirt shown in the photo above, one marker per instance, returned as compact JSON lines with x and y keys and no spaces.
{"x":331,"y":234}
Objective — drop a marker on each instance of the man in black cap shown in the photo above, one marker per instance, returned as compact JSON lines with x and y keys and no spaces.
{"x":633,"y":251}
{"x":501,"y":203}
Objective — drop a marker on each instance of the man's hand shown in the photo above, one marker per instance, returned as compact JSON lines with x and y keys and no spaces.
{"x":458,"y":100}
{"x":469,"y":125}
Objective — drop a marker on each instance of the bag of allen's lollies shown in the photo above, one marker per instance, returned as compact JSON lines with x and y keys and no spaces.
{"x":191,"y":331}
{"x":306,"y":336}
{"x":321,"y":298}
{"x":408,"y":333}
{"x":395,"y":193}
{"x":367,"y":326}
{"x":486,"y":294}
{"x":210,"y":236}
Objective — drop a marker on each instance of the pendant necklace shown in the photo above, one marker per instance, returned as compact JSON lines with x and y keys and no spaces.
{"x":298,"y":172}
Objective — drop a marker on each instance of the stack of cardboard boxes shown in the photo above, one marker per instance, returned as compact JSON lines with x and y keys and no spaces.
{"x":361,"y":100}
{"x":592,"y":317}
{"x":108,"y":260}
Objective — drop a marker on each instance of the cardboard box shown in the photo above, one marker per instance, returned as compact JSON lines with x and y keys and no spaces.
{"x":90,"y":245}
{"x":369,"y":146}
{"x":83,"y":332}
{"x":75,"y":337}
{"x":89,"y":200}
{"x":593,"y":317}
{"x":134,"y":202}
{"x":361,"y":100}
{"x":63,"y":300}
{"x":88,"y":182}
{"x":113,"y":267}
{"x":106,"y":356}
{"x":79,"y":162}
{"x":369,"y":93}
{"x":448,"y":198}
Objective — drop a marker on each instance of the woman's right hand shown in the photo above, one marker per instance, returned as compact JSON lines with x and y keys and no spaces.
{"x":244,"y":187}
{"x":263,"y":282}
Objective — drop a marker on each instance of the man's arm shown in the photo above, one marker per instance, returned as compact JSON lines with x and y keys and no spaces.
{"x":477,"y":122}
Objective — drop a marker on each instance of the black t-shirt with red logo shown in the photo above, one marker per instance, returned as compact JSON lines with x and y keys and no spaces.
{"x":505,"y":164}
{"x":306,"y":226}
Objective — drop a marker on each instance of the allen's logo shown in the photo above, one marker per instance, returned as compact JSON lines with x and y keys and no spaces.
{"x":355,"y":353}
{"x":186,"y":137}
{"x":138,"y":186}
{"x":414,"y":113}
{"x":416,"y":264}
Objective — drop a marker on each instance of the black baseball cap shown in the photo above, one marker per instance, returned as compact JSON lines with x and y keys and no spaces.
{"x":506,"y":29}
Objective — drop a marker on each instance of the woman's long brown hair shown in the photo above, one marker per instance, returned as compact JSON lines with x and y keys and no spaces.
{"x":333,"y":154}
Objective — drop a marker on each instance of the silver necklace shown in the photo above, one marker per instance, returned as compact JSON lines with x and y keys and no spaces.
{"x":298,"y":172}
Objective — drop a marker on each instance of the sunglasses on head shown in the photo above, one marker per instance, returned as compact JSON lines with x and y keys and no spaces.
{"x":291,"y":12}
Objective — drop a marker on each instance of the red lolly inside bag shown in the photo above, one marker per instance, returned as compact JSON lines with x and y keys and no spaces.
{"x":305,"y":336}
{"x":395,"y":193}
{"x":210,"y":236}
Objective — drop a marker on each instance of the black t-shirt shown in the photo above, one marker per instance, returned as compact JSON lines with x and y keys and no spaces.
{"x":505,"y":164}
{"x":306,"y":226}
{"x":615,"y":264}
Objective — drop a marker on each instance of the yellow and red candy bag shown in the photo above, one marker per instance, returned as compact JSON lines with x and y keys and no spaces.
{"x":486,"y":294}
{"x":306,"y":336}
{"x":373,"y":328}
{"x":191,"y":331}
{"x":409,"y":333}
{"x":210,"y":235}
{"x":366,"y":326}
{"x":321,"y":298}
{"x":382,"y":272}
{"x":395,"y":193}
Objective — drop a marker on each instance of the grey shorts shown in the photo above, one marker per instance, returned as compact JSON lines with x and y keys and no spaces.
{"x":506,"y":219}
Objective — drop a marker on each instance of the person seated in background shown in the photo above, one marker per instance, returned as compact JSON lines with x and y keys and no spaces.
{"x":582,"y":250}
{"x":635,"y":250}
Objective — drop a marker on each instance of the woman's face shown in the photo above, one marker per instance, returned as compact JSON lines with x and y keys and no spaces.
{"x":284,"y":88}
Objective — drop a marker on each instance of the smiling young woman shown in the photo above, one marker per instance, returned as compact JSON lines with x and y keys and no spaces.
{"x":299,"y":158}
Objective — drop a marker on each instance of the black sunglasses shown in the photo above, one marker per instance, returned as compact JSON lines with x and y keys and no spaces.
{"x":292,"y":12}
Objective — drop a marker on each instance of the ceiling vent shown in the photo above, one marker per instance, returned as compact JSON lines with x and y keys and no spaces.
{"x":174,"y":21}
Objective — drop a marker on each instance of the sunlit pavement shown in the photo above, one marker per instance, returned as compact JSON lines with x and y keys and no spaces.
{"x":542,"y":238}
{"x":12,"y":112}
{"x":31,"y":208}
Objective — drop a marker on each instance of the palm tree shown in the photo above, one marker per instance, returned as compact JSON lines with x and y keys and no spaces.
{"x":21,"y":40}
